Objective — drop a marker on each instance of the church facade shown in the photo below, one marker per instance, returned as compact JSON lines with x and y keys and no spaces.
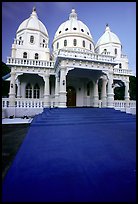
{"x":77,"y":73}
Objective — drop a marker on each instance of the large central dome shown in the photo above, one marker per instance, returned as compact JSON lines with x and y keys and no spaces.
{"x":73,"y":29}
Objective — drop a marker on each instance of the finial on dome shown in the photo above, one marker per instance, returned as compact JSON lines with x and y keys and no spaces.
{"x":34,"y":14}
{"x":107,"y":27}
{"x":34,"y":8}
{"x":73,"y":14}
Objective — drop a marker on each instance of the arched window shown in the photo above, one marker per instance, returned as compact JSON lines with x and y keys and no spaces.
{"x":90,"y":46}
{"x":83,"y":43}
{"x":105,"y":51}
{"x":36,"y":91}
{"x":31,"y":39}
{"x":28,"y":91}
{"x":57,"y":45}
{"x":120,"y":65}
{"x":115,"y":51}
{"x":36,"y":55}
{"x":74,"y":42}
{"x":25,"y":55}
{"x":65,"y":42}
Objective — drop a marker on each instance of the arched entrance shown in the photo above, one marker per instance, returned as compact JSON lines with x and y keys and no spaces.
{"x":71,"y":96}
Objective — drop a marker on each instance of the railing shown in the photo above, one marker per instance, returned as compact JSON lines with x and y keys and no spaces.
{"x":24,"y":103}
{"x":85,"y":55}
{"x":122,"y":71}
{"x":122,"y":104}
{"x":5,"y":102}
{"x":29,"y":62}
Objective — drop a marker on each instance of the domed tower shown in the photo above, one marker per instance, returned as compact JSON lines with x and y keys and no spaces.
{"x":73,"y":34}
{"x":31,"y":40}
{"x":110,"y":44}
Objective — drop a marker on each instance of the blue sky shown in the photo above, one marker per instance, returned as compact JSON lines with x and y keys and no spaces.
{"x":121,"y":17}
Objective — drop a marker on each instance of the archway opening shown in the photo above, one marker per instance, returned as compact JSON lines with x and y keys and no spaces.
{"x":71,"y":96}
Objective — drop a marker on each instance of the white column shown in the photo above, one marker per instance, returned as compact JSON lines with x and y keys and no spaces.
{"x":46,"y":91}
{"x":56,"y":90}
{"x":62,"y":91}
{"x":127,"y":97}
{"x":103,"y":92}
{"x":18,"y":89}
{"x":95,"y":95}
{"x":110,"y":94}
{"x":12,"y":90}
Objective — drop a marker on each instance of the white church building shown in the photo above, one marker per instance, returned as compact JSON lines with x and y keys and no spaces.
{"x":77,"y":73}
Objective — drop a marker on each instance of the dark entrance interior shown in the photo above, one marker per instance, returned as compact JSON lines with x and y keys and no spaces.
{"x":71,"y":96}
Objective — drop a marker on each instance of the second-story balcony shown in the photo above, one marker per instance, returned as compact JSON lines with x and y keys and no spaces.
{"x":29,"y":62}
{"x":86,"y":55}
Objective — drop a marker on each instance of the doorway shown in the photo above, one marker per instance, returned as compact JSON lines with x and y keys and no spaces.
{"x":71,"y":96}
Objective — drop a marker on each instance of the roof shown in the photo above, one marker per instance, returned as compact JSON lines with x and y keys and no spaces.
{"x":33,"y":23}
{"x":73,"y":26}
{"x":108,"y":37}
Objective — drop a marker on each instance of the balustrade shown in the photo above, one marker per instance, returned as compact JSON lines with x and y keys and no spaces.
{"x":29,"y":62}
{"x":86,"y":55}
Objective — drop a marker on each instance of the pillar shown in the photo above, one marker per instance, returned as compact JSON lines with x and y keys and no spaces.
{"x":62,"y":91}
{"x":19,"y":89}
{"x":12,"y":94}
{"x":110,"y":94}
{"x":12,"y":90}
{"x":56,"y":90}
{"x":103,"y":92}
{"x":46,"y":91}
{"x":96,"y":95}
{"x":127,"y":97}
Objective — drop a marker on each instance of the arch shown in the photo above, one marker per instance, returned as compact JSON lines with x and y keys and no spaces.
{"x":71,"y":96}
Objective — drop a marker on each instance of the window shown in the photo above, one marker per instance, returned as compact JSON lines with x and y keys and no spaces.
{"x":87,"y":33}
{"x":90,"y":46}
{"x":20,"y":37}
{"x":83,"y":43}
{"x":82,"y":30}
{"x":65,"y":42}
{"x":57,"y":45}
{"x":115,"y":51}
{"x":44,"y":41}
{"x":74,"y":42}
{"x":28,"y":91}
{"x":36,"y":91}
{"x":105,"y":51}
{"x":66,"y":29}
{"x":120,"y":65}
{"x":31,"y":39}
{"x":74,"y":28}
{"x":36,"y":55}
{"x":59,"y":32}
{"x":25,"y":55}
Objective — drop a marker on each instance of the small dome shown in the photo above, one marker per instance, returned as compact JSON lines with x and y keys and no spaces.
{"x":73,"y":26}
{"x":33,"y":23}
{"x":108,"y":37}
